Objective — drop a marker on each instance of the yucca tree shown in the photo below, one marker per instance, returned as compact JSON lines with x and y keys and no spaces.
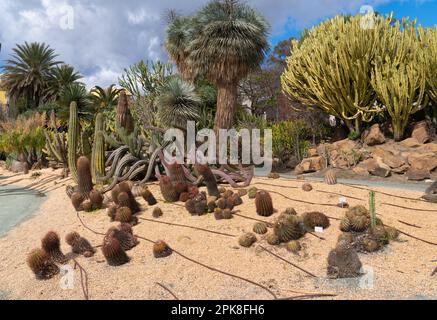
{"x":59,"y":78}
{"x":177,"y":103}
{"x":223,"y":42}
{"x":104,"y":98}
{"x":27,"y":71}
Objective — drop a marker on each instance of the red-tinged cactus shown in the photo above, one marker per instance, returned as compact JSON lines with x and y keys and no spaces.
{"x":148,"y":197}
{"x":168,"y":190}
{"x":112,"y":211}
{"x":184,"y":196}
{"x":236,"y":200}
{"x":41,"y":264}
{"x":208,"y":178}
{"x":84,"y":178}
{"x":190,"y":206}
{"x":133,"y":204}
{"x":181,"y":187}
{"x":193,"y":190}
{"x":315,"y":219}
{"x":161,"y":249}
{"x":113,"y":252}
{"x":157,"y":212}
{"x":96,"y":199}
{"x":87,"y":206}
{"x":176,"y":173}
{"x":264,"y":204}
{"x":52,"y":245}
{"x":79,"y":245}
{"x":126,"y":239}
{"x":76,"y":200}
{"x":124,"y":214}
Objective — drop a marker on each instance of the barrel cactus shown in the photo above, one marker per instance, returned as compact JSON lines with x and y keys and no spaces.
{"x":113,"y":252}
{"x":287,"y":228}
{"x":76,"y":200}
{"x":148,"y":197}
{"x":126,"y":239}
{"x":84,"y":178}
{"x":52,"y":245}
{"x":260,"y":228}
{"x":307,"y":187}
{"x":247,"y":240}
{"x":79,"y":245}
{"x":343,"y":262}
{"x":264,"y":204}
{"x":157,"y":212}
{"x":161,"y":249}
{"x":331,"y":177}
{"x":96,"y":198}
{"x":315,"y":219}
{"x":41,"y":264}
{"x":168,"y":190}
{"x":294,"y":246}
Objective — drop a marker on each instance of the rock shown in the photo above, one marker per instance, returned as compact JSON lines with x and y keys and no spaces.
{"x":373,"y":136}
{"x":389,"y":158}
{"x":361,"y":170}
{"x":410,"y":143}
{"x":423,"y":161}
{"x":18,"y":166}
{"x":401,"y":169}
{"x":292,"y":163}
{"x":421,"y":132}
{"x":312,"y":152}
{"x":429,"y":147}
{"x":418,"y":175}
{"x":311,"y":165}
{"x":377,"y":168}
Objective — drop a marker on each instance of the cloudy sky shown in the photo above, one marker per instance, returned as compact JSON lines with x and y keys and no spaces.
{"x":101,"y":37}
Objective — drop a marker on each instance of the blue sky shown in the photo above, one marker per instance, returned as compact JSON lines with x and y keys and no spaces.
{"x":102,"y":37}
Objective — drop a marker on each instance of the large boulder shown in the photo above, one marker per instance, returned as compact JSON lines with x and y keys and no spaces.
{"x":421,"y":132}
{"x":423,"y":161}
{"x":373,"y":136}
{"x":377,"y":168}
{"x":410,"y":143}
{"x":312,"y":164}
{"x":418,"y":175}
{"x":389,"y":158}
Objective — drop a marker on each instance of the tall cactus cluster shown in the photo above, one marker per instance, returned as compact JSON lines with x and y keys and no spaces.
{"x":354,"y":72}
{"x":73,"y":132}
{"x":56,"y":144}
{"x":98,"y":152}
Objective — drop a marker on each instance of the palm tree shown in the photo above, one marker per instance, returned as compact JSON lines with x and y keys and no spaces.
{"x":104,"y":98}
{"x":27,"y":72}
{"x":59,"y":78}
{"x":227,"y":40}
{"x":177,"y":103}
{"x":74,"y":92}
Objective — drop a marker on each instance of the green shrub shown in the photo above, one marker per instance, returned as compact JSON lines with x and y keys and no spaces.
{"x":353,"y":135}
{"x":290,"y":139}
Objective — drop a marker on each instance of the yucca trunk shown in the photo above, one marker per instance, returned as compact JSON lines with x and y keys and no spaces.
{"x":226,"y":100}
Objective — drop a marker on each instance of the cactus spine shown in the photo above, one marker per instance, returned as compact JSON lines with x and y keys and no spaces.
{"x":372,"y":209}
{"x":73,"y":130}
{"x":98,"y":154}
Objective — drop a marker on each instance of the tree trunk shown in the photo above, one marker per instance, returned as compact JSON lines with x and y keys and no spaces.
{"x":226,"y":101}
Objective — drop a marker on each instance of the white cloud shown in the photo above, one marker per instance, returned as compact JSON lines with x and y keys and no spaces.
{"x":109,"y":35}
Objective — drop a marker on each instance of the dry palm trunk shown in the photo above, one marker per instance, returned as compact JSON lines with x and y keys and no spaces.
{"x":226,"y":100}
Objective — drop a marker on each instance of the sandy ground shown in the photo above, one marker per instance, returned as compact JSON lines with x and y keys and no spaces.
{"x":401,"y":271}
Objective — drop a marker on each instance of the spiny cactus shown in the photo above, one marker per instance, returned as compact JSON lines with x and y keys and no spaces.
{"x":113,"y":252}
{"x":133,"y":204}
{"x":264,"y":204}
{"x":96,"y":198}
{"x":176,"y":173}
{"x":190,"y":206}
{"x":161,"y":249}
{"x":124,"y":118}
{"x":220,"y":214}
{"x":211,"y":203}
{"x":79,"y":245}
{"x":148,"y":197}
{"x":197,"y":205}
{"x":307,"y":187}
{"x":227,"y":214}
{"x":208,"y":178}
{"x":372,"y":211}
{"x":98,"y":151}
{"x":287,"y":228}
{"x":236,"y":200}
{"x":345,"y":225}
{"x":315,"y":219}
{"x":294,"y":246}
{"x":392,"y":233}
{"x":124,"y":214}
{"x":87,"y":206}
{"x":114,"y":193}
{"x":184,"y":196}
{"x":111,"y":211}
{"x":272,"y":239}
{"x":52,"y":245}
{"x":168,"y":190}
{"x":157,"y":212}
{"x":343,"y":262}
{"x":274,"y":175}
{"x":359,"y":218}
{"x":84,"y":179}
{"x":260,"y":228}
{"x":41,"y":264}
{"x":222,"y":190}
{"x":57,"y":148}
{"x":331,"y":177}
{"x":369,"y":245}
{"x":242,"y":192}
{"x":76,"y":200}
{"x":290,"y":211}
{"x":247,"y":240}
{"x":379,"y":233}
{"x":125,"y":238}
{"x":73,"y":132}
{"x":345,"y":236}
{"x":221,"y":203}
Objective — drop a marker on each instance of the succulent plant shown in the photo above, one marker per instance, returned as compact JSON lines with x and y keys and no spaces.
{"x":180,"y":187}
{"x":264,"y":204}
{"x":343,"y":262}
{"x":331,"y":177}
{"x":193,"y":190}
{"x":52,"y":245}
{"x":148,"y":197}
{"x":76,"y":200}
{"x":112,"y":211}
{"x":247,"y":240}
{"x":133,"y":204}
{"x":227,"y":214}
{"x":123,"y":200}
{"x":113,"y":252}
{"x":273,"y":239}
{"x":392,"y":233}
{"x":274,"y":175}
{"x":242,"y":192}
{"x":252,"y":192}
{"x":168,"y":190}
{"x":221,"y":203}
{"x":73,"y":132}
{"x":79,"y":245}
{"x":359,"y":218}
{"x":211,"y":203}
{"x":190,"y":206}
{"x":41,"y":264}
{"x":294,"y":246}
{"x":98,"y":149}
{"x":288,"y":228}
{"x":184,"y":196}
{"x":126,"y":239}
{"x":345,"y":224}
{"x":236,"y":200}
{"x":290,"y":211}
{"x":260,"y":228}
{"x":222,"y":190}
{"x":347,"y":237}
{"x":176,"y":173}
{"x":369,"y":245}
{"x":114,"y":193}
{"x":228,"y":193}
{"x":218,"y":214}
{"x":315,"y":219}
{"x":379,"y":233}
{"x":208,"y":178}
{"x":157,"y":212}
{"x":84,"y":178}
{"x":124,"y":214}
{"x":87,"y":206}
{"x":96,"y":198}
{"x":307,"y":187}
{"x":357,"y":211}
{"x":161,"y":249}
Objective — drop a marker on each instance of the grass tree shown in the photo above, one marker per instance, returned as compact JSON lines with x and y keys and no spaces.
{"x":399,"y":75}
{"x":223,"y":42}
{"x":27,"y":72}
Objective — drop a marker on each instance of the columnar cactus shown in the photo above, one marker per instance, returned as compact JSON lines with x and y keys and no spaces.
{"x":331,"y":177}
{"x":264,"y":204}
{"x":168,"y":190}
{"x":84,"y":178}
{"x":73,"y":132}
{"x":209,"y":179}
{"x":98,"y":154}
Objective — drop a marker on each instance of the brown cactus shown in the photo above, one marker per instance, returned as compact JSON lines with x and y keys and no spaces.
{"x":87,"y":206}
{"x":157,"y":212}
{"x":111,"y":211}
{"x":96,"y":199}
{"x":148,"y":197}
{"x":52,"y":245}
{"x":315,"y":219}
{"x":168,"y":190}
{"x":264,"y":204}
{"x":126,"y":239}
{"x":84,"y":178}
{"x":133,"y":204}
{"x":343,"y":262}
{"x":80,"y":245}
{"x":41,"y":264}
{"x":260,"y":228}
{"x":176,"y":173}
{"x":208,"y":178}
{"x":287,"y":227}
{"x":124,"y":214}
{"x":307,"y":187}
{"x":247,"y":240}
{"x":113,"y":252}
{"x":294,"y":246}
{"x":190,"y":206}
{"x":161,"y":249}
{"x":76,"y":200}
